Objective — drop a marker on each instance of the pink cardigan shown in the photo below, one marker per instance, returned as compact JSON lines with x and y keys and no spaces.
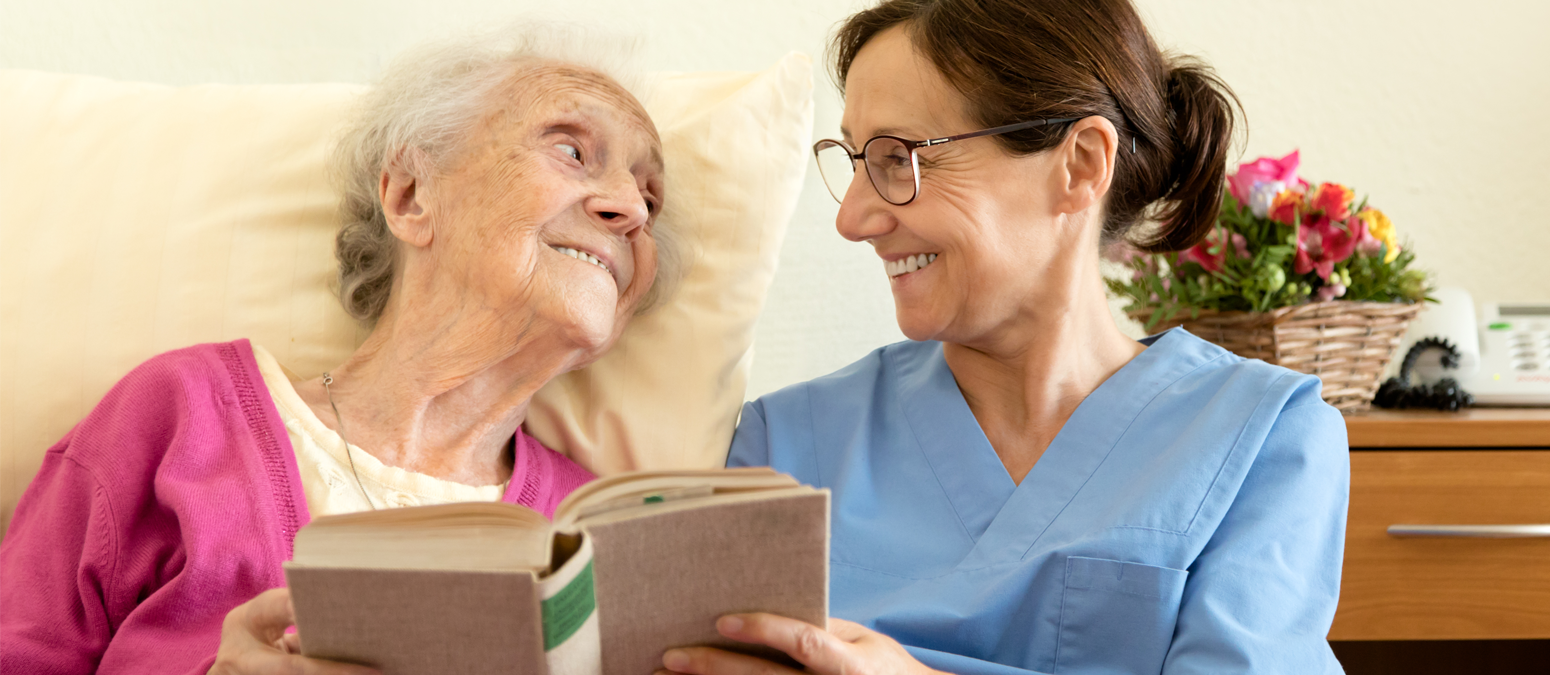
{"x":174,"y":501}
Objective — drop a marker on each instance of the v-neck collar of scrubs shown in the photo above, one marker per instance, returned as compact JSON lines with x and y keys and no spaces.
{"x":956,"y":448}
{"x":1006,"y":519}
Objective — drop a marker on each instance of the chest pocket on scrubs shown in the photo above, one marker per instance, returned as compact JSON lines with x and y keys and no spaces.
{"x":1116,"y":617}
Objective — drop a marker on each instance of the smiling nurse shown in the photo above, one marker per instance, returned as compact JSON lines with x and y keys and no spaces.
{"x":1021,"y":487}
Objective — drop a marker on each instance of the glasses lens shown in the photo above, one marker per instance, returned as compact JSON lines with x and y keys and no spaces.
{"x":836,"y":167}
{"x":891,"y":168}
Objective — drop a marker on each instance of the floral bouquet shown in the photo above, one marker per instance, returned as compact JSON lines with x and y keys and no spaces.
{"x":1279,"y":242}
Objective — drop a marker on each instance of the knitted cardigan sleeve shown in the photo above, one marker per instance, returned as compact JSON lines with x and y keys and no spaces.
{"x":58,"y":600}
{"x":148,"y":522}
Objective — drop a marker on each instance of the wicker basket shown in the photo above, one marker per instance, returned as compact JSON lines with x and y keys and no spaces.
{"x":1347,"y":344}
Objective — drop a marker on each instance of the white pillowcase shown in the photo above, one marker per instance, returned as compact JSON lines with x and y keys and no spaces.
{"x":140,"y":218}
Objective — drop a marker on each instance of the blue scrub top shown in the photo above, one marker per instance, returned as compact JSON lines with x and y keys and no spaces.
{"x":1189,"y":517}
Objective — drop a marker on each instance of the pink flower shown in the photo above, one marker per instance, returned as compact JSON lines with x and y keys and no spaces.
{"x":1369,"y":245}
{"x":1329,"y":292}
{"x":1323,"y":242}
{"x":1264,"y":170}
{"x":1240,"y":246}
{"x":1140,"y":262}
{"x":1201,"y":253}
{"x":1122,"y":252}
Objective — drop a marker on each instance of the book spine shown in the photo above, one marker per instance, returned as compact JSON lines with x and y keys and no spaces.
{"x":572,"y":644}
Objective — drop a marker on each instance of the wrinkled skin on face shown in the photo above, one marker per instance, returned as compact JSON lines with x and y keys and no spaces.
{"x":567,"y":160}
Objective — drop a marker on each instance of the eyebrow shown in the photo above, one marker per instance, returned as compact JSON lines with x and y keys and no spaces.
{"x":569,"y":125}
{"x":885,"y":131}
{"x":584,"y":123}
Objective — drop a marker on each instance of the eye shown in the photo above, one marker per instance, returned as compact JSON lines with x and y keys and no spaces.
{"x":573,"y":151}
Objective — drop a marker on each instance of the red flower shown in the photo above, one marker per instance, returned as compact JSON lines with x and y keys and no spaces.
{"x":1333,"y":201}
{"x":1322,"y":242}
{"x":1286,"y":207}
{"x":1201,"y":253}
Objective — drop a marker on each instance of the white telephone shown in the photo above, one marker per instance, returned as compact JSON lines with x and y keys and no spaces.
{"x":1504,"y":353}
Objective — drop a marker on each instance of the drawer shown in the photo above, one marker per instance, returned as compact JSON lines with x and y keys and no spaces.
{"x":1445,"y":588}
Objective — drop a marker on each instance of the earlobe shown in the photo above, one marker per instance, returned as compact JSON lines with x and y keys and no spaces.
{"x":403,"y":205}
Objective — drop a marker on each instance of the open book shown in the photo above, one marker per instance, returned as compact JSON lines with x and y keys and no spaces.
{"x":633,"y":564}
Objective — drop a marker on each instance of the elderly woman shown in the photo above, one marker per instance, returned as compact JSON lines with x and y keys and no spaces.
{"x":499,"y":207}
{"x":1022,"y":487}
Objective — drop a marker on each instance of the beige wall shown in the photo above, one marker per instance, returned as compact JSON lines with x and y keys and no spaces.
{"x":1432,"y":108}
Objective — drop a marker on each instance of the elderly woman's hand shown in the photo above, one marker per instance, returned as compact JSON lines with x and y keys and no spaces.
{"x":845,"y":649}
{"x":254,"y":642}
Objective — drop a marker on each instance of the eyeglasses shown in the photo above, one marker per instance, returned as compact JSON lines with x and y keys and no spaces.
{"x":891,"y":163}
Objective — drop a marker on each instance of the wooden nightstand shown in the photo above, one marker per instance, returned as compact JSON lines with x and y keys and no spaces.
{"x":1448,"y":472}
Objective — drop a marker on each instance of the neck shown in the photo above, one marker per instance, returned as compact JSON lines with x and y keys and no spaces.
{"x":440,"y":395}
{"x":1023,"y":380}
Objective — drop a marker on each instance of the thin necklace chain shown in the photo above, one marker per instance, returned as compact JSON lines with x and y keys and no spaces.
{"x":328,"y":380}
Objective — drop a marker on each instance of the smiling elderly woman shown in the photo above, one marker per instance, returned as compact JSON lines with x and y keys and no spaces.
{"x":499,"y":207}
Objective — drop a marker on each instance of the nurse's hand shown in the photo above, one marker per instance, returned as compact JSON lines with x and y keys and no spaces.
{"x":845,"y":649}
{"x":254,"y":642}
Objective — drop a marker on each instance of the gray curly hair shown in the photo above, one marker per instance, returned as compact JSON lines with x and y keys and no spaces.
{"x":430,"y":100}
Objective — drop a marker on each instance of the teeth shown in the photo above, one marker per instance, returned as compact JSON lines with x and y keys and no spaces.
{"x":583,"y":256}
{"x":909,"y":264}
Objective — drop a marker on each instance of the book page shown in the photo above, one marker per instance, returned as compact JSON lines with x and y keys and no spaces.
{"x":466,"y":536}
{"x":643,"y":484}
{"x":569,"y":608}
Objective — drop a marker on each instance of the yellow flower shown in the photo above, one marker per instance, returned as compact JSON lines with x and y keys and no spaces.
{"x":1382,"y":229}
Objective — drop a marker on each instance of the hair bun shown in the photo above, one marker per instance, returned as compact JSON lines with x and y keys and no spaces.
{"x":1203,"y":115}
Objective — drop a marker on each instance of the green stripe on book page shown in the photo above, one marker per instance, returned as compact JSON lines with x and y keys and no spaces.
{"x":567,"y":610}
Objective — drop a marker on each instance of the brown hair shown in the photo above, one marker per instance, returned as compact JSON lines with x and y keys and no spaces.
{"x":1018,"y":60}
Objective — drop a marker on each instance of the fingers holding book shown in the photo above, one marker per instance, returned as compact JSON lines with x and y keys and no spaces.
{"x":254,"y":642}
{"x":843,"y":649}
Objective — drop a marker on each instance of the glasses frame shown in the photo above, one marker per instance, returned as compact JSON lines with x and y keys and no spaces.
{"x":914,"y":145}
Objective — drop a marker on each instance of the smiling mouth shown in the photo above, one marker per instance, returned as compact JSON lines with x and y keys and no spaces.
{"x":583,"y":256}
{"x":908,"y":264}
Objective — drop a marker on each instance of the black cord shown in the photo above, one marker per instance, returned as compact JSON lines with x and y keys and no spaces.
{"x":1446,"y":394}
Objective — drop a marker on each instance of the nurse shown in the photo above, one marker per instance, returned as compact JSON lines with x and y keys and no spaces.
{"x":1020,"y":487}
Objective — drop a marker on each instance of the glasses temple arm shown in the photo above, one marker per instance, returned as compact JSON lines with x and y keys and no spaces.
{"x":993,"y":131}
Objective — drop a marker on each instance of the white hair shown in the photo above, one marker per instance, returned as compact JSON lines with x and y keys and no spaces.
{"x":421,"y":113}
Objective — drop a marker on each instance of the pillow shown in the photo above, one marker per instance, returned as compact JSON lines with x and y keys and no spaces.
{"x":141,"y":218}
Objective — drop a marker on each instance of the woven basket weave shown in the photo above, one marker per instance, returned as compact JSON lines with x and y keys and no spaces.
{"x":1347,"y":344}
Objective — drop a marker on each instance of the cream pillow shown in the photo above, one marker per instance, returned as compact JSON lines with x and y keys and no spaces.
{"x":141,"y":218}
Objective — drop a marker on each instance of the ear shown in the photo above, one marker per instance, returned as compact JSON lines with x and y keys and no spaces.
{"x":403,"y":204}
{"x":1086,"y":164}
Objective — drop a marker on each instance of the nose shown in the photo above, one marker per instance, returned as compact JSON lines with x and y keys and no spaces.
{"x":619,"y":205}
{"x":863,"y":213}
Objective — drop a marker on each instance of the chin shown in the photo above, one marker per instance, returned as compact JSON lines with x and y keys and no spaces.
{"x":917,"y":323}
{"x":590,"y":332}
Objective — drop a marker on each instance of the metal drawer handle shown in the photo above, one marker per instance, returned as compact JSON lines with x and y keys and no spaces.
{"x":1471,"y":531}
